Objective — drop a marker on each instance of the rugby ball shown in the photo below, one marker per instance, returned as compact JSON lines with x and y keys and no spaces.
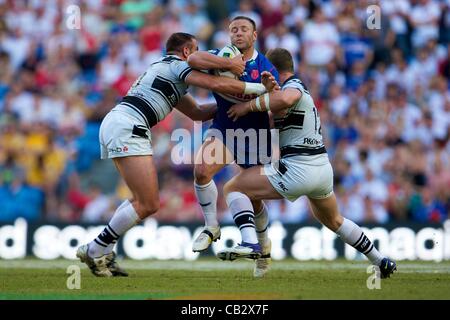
{"x":228,"y":52}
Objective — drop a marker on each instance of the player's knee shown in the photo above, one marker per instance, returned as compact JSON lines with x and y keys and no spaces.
{"x":149,"y":208}
{"x":337,"y":222}
{"x":202,"y":174}
{"x":333,"y":222}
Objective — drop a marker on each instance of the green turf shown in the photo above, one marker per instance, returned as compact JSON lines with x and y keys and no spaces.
{"x":213,"y":279}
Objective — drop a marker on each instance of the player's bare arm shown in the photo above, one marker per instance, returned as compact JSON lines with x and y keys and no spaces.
{"x":202,"y":60}
{"x":223,"y":85}
{"x":275,"y":101}
{"x":190,"y":108}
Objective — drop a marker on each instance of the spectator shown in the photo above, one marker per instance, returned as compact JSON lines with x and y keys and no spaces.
{"x":195,"y":22}
{"x":271,"y":16}
{"x":320,"y":40}
{"x":398,"y":13}
{"x":424,"y":19}
{"x":247,"y":9}
{"x":99,"y":208}
{"x":282,"y":38}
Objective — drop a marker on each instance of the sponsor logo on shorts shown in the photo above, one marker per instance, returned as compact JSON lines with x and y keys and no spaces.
{"x":118,"y":149}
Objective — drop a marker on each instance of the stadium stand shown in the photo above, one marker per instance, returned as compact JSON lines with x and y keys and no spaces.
{"x":383,"y":96}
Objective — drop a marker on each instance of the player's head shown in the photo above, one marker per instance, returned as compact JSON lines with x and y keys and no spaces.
{"x":243,"y":32}
{"x":181,"y":44}
{"x":281,"y":60}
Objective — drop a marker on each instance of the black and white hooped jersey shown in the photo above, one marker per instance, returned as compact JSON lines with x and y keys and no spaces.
{"x":154,"y":94}
{"x":299,"y":129}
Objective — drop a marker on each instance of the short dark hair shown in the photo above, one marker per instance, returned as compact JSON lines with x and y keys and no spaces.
{"x":281,"y":59}
{"x":177,"y":41}
{"x":245,"y":18}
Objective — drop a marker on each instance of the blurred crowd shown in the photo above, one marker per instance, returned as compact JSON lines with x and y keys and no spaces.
{"x":380,"y":82}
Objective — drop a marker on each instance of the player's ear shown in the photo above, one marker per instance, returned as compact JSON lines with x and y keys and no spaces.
{"x":255,"y":35}
{"x":186,"y":52}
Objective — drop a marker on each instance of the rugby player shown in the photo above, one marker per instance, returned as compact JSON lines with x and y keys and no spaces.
{"x":303,"y":169}
{"x":125,"y":137}
{"x":243,"y":35}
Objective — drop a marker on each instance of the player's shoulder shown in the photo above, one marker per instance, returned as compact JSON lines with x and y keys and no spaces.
{"x":168,"y":59}
{"x":168,"y":62}
{"x":172,"y":68}
{"x":293,"y":81}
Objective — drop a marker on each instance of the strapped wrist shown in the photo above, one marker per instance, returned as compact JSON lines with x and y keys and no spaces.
{"x":262,"y":103}
{"x":254,"y":88}
{"x":250,"y":105}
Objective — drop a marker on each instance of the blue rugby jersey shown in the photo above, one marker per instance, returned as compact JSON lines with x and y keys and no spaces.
{"x":253,"y":120}
{"x":257,"y":120}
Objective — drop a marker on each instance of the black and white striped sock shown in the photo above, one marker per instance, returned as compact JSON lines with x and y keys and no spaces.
{"x":242,"y":210}
{"x":123,"y":219}
{"x":107,"y":237}
{"x":354,"y":236}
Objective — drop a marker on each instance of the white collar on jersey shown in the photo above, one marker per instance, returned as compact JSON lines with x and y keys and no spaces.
{"x":255,"y":54}
{"x":173,"y":55}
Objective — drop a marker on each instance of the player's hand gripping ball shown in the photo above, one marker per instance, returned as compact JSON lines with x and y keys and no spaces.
{"x":238,"y":66}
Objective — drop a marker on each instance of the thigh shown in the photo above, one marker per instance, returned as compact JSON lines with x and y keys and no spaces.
{"x":254,"y":183}
{"x":213,"y":156}
{"x":139,"y":173}
{"x":323,"y":182}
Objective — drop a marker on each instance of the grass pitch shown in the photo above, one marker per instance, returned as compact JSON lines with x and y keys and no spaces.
{"x":209,"y":278}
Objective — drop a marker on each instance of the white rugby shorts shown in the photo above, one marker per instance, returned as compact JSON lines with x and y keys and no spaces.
{"x":123,"y":135}
{"x":297,"y":176}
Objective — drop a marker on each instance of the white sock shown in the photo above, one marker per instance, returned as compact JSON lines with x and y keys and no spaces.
{"x":111,"y":246}
{"x":123,"y":219}
{"x":207,"y":198}
{"x":352,"y":234}
{"x":242,"y":210}
{"x":262,"y":225}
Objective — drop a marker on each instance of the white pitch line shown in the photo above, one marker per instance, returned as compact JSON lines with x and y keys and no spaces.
{"x":406,"y":267}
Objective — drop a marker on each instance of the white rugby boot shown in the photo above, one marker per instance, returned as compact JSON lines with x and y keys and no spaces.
{"x":262,"y":264}
{"x":241,"y":251}
{"x":205,"y":238}
{"x":104,"y":266}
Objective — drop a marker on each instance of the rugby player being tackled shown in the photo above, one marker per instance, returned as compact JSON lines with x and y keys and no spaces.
{"x":245,"y":152}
